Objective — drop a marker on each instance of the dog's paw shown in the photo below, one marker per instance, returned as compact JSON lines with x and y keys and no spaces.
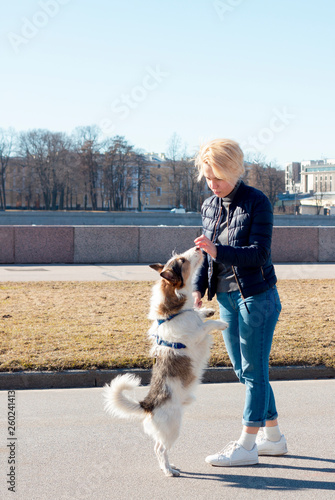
{"x":222,"y":325}
{"x":174,"y":472}
{"x":206,"y":312}
{"x":171,"y":472}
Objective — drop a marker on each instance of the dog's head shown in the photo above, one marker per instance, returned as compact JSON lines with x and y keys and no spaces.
{"x":178,"y":270}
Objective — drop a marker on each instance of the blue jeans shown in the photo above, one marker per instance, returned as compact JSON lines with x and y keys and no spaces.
{"x":248,"y":340}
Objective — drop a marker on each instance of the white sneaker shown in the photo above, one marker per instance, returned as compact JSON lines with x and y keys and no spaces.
{"x":267,"y":447}
{"x":233,"y":454}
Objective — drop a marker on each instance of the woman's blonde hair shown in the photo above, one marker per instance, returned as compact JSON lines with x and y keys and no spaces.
{"x":224,"y":156}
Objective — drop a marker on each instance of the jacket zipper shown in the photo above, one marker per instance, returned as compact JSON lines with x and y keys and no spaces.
{"x":211,"y":260}
{"x":216,"y":225}
{"x":235,"y":276}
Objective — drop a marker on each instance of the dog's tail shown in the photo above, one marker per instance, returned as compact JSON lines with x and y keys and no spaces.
{"x":117,"y":403}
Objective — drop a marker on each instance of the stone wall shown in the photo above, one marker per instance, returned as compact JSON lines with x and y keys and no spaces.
{"x":146,"y":218}
{"x":143,"y":244}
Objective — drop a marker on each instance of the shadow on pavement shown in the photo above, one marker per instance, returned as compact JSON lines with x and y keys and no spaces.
{"x":255,"y":482}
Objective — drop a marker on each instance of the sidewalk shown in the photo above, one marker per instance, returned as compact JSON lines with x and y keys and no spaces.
{"x":138,"y":272}
{"x":67,"y":448}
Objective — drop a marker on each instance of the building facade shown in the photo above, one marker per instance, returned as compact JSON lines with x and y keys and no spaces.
{"x":318,"y":176}
{"x":310,"y":176}
{"x":293,"y":177}
{"x":311,"y":182}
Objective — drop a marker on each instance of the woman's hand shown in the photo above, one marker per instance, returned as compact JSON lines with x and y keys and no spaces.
{"x":197,"y":299}
{"x":207,"y":245}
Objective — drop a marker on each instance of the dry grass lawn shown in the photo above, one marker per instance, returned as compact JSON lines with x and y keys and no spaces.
{"x":87,"y":325}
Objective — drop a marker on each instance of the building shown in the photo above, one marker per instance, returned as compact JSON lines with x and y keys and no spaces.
{"x":157,"y":193}
{"x":310,"y":176}
{"x":317,"y":176}
{"x":311,"y":184}
{"x":293,"y":177}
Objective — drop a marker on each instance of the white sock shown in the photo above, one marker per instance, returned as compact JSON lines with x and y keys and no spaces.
{"x":272,"y":433}
{"x":247,"y":440}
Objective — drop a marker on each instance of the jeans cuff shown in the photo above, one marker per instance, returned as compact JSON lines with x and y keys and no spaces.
{"x":273,"y":417}
{"x":260,"y":423}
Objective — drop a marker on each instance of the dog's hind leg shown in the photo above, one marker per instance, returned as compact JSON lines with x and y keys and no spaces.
{"x":162,"y":456}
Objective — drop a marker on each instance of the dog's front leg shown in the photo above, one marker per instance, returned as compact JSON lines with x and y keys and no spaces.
{"x":208,"y":327}
{"x":205,"y":312}
{"x":214,"y":324}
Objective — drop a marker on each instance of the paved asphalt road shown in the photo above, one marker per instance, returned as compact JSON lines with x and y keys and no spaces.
{"x":110,"y":272}
{"x":68,"y":448}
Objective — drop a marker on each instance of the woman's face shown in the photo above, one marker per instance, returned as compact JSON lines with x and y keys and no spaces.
{"x":219,"y":187}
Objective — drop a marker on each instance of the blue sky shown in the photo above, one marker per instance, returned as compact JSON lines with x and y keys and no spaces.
{"x":258,"y":71}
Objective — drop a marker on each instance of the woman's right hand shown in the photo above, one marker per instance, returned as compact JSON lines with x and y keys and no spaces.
{"x":197,"y":299}
{"x":206,"y":245}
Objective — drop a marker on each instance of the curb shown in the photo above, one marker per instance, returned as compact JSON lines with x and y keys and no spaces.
{"x":97,"y":378}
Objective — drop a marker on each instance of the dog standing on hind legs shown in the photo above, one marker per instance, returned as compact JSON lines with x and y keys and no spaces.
{"x":181,"y":345}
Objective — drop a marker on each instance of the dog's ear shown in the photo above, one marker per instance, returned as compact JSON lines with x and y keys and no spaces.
{"x":170,"y":276}
{"x":157,"y":267}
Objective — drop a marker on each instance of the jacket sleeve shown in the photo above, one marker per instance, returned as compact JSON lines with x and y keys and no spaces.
{"x":258,"y":247}
{"x":201,"y":281}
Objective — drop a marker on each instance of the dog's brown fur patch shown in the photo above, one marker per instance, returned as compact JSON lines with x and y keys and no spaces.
{"x":172,"y":303}
{"x":174,"y":277}
{"x":168,"y":366}
{"x":186,"y":270}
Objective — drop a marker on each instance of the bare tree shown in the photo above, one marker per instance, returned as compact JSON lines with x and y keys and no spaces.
{"x":184,"y":177}
{"x":44,"y":154}
{"x":142,"y":175}
{"x":58,"y":145}
{"x":119,"y":172}
{"x":269,"y":179}
{"x":319,"y":201}
{"x":72,"y":185}
{"x":174,"y":156}
{"x":7,"y":138}
{"x":192,"y":190}
{"x":33,"y":147}
{"x":57,"y":171}
{"x":21,"y":171}
{"x":89,"y":150}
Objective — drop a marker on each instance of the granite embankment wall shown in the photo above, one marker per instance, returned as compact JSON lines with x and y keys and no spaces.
{"x":146,"y":218}
{"x":144,"y":244}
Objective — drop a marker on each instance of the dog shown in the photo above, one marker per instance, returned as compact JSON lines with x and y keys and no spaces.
{"x":181,"y":346}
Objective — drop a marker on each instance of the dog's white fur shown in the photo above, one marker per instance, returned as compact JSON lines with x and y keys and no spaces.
{"x":177,"y":371}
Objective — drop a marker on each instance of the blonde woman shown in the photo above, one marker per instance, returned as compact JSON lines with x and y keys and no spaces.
{"x":237,"y":231}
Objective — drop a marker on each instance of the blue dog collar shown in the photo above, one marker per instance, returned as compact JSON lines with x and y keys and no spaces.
{"x":173,"y":345}
{"x":161,"y":321}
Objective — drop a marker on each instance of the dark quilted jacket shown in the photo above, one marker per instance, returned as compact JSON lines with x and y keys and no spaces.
{"x":250,"y":222}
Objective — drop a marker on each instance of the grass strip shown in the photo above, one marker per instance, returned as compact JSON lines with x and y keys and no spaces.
{"x":89,"y":325}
